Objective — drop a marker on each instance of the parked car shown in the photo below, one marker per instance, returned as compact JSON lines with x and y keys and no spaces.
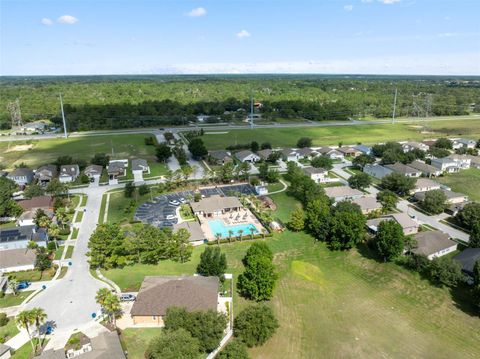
{"x":170,"y":216}
{"x":23,"y":285}
{"x":127,"y":297}
{"x":174,"y":202}
{"x":183,"y":200}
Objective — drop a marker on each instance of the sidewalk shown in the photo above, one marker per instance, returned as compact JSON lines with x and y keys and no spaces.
{"x":18,"y":340}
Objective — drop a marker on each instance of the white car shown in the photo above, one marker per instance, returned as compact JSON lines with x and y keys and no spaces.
{"x":170,"y":216}
{"x":174,"y":202}
{"x":183,"y":200}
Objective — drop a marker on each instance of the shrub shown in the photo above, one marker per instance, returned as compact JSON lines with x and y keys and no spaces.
{"x":3,"y":319}
{"x":235,"y":349}
{"x":255,"y":325}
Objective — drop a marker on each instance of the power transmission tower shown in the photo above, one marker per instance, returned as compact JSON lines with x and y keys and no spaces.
{"x":15,"y":113}
{"x":394,"y":106}
{"x":251,"y":111}
{"x":63,"y":118}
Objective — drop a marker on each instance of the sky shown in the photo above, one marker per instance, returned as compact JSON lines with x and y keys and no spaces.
{"x":85,"y":37}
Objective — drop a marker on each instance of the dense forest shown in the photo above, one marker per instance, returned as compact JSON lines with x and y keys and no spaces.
{"x":102,"y":102}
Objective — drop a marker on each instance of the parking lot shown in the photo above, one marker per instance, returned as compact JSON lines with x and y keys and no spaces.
{"x":161,"y":212}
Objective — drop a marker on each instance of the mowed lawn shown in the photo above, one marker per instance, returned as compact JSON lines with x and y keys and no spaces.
{"x":343,"y":304}
{"x":36,"y":153}
{"x":466,"y":181}
{"x":348,"y":134}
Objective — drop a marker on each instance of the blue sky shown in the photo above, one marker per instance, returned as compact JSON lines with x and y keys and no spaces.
{"x":64,"y":37}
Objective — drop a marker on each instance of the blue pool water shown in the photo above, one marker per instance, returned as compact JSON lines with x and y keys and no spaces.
{"x":217,"y":226}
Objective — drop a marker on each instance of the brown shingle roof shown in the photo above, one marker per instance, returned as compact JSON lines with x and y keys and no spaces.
{"x":157,"y":294}
{"x":36,"y":202}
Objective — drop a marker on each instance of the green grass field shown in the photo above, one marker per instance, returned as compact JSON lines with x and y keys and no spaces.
{"x":466,"y":181}
{"x":34,"y":275}
{"x":36,"y":153}
{"x":8,"y":331}
{"x":343,"y":304}
{"x":79,"y":217}
{"x":287,"y":137}
{"x":9,"y":300}
{"x":135,"y":341}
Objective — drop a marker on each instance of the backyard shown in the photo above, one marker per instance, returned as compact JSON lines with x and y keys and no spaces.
{"x":36,"y":153}
{"x":466,"y":181}
{"x":342,"y":304}
{"x":348,"y":134}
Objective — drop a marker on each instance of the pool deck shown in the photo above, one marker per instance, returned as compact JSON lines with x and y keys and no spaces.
{"x":243,"y":216}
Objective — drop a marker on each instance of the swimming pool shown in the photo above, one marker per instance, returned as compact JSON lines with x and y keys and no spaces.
{"x":218,"y":226}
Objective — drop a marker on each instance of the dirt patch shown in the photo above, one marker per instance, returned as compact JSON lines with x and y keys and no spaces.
{"x":19,"y":148}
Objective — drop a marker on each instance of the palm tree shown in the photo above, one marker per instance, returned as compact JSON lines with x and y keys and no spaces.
{"x":102,"y":295}
{"x":252,"y":230}
{"x":240,"y":232}
{"x":39,"y":317}
{"x":218,"y":236}
{"x":109,"y":302}
{"x":62,"y":216}
{"x":230,"y":233}
{"x":25,"y":319}
{"x":13,"y":285}
{"x":54,"y":232}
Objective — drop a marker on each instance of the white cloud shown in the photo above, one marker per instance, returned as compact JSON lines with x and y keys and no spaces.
{"x":389,"y":2}
{"x":46,"y":21}
{"x":197,"y":12}
{"x":67,"y":19}
{"x":243,"y":34}
{"x":348,"y":7}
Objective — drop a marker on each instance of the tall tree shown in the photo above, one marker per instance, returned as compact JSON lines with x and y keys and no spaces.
{"x":297,"y":220}
{"x":389,"y":240}
{"x":39,"y":317}
{"x":322,"y":161}
{"x":255,"y":325}
{"x":163,"y":152}
{"x":388,"y":199}
{"x":173,"y":344}
{"x":360,"y":181}
{"x":24,"y":320}
{"x":398,"y":183}
{"x":304,"y":142}
{"x":318,"y":218}
{"x":197,"y":148}
{"x":212,"y":262}
{"x":106,"y":246}
{"x":258,"y":280}
{"x":475,"y":236}
{"x":346,"y":229}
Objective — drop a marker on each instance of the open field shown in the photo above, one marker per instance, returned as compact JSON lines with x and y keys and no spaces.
{"x":36,"y":153}
{"x":466,"y":181}
{"x":287,"y":137}
{"x":343,"y":304}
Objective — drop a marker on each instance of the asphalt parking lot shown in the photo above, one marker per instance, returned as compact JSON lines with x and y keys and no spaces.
{"x":156,"y":212}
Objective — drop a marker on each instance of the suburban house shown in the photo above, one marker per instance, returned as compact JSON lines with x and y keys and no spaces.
{"x":409,"y":146}
{"x":30,"y":208}
{"x":342,"y":193}
{"x":376,"y":171}
{"x":44,"y":174}
{"x":409,"y":226}
{"x":215,"y":205}
{"x":349,"y":151}
{"x":425,"y":185}
{"x":433,"y":244}
{"x":426,"y":170}
{"x":69,"y":173}
{"x":93,"y":172}
{"x":139,"y":167}
{"x":452,"y":197}
{"x":247,"y":156}
{"x":106,"y":345}
{"x":467,"y":259}
{"x":445,"y":164}
{"x":367,"y":204}
{"x":21,"y":176}
{"x":289,"y":154}
{"x":404,"y":169}
{"x":462,"y":161}
{"x":330,"y":152}
{"x":14,"y":260}
{"x":465,"y":143}
{"x":116,"y":169}
{"x":454,"y":208}
{"x":263,"y":154}
{"x":366,"y":150}
{"x":319,"y":175}
{"x":18,"y":237}
{"x":306,"y":152}
{"x":429,"y":143}
{"x":219,"y":157}
{"x":157,"y":294}
{"x":197,"y":236}
{"x":474,"y":161}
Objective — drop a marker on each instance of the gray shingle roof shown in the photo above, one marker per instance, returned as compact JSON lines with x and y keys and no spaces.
{"x":157,"y":294}
{"x":17,"y":257}
{"x":139,"y":164}
{"x":431,"y":242}
{"x":215,"y":203}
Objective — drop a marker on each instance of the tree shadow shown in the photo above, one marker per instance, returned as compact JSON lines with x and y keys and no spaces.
{"x":462,"y":297}
{"x":367,"y":251}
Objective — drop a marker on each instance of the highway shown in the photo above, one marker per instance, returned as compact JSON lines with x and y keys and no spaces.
{"x":227,"y":127}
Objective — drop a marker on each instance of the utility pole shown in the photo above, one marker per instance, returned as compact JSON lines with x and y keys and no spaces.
{"x":63,"y":118}
{"x":251,"y":111}
{"x":394,"y":106}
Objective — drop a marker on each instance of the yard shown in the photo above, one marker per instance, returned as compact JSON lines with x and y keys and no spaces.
{"x":348,"y":134}
{"x":8,"y":331}
{"x":342,"y":304}
{"x":36,"y":153}
{"x":9,"y":300}
{"x":135,"y":341}
{"x":34,"y":275}
{"x":466,"y":181}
